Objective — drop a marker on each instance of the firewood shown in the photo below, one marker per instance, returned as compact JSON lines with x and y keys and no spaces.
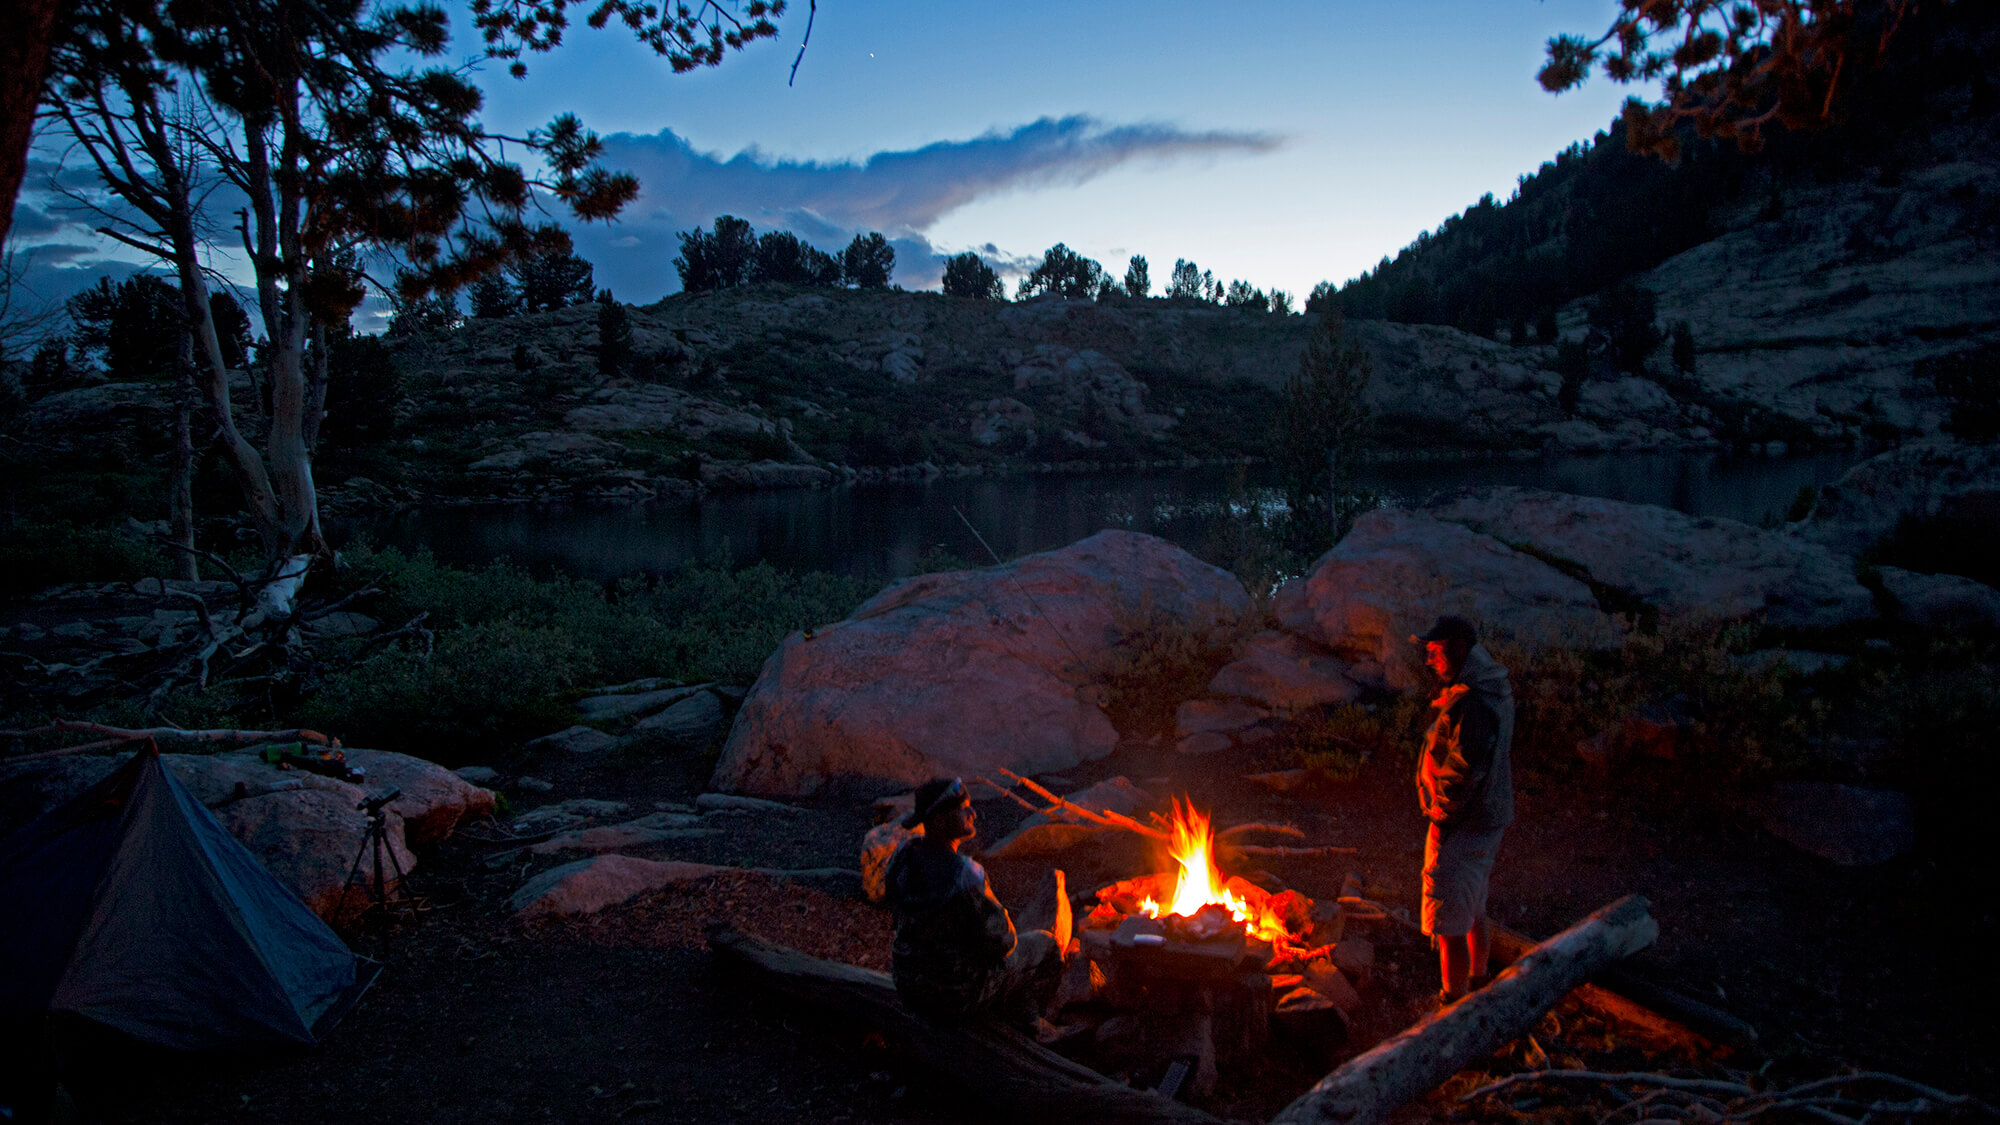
{"x":1369,"y":1087}
{"x":989,"y":1064}
{"x":1108,"y":818}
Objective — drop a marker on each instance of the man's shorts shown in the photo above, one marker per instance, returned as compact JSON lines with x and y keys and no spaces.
{"x":1457,"y":865}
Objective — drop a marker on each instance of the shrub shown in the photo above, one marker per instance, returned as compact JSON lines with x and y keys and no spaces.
{"x":1743,"y":725}
{"x":37,"y":555}
{"x":1340,"y":741}
{"x":1159,"y":663}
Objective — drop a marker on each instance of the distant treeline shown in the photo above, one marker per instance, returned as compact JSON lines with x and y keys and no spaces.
{"x":1598,"y":213}
{"x":732,"y":253}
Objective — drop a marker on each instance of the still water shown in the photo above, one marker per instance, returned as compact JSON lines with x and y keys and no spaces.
{"x":884,"y":530}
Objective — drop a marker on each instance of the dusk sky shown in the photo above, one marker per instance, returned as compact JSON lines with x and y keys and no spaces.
{"x":1280,"y":144}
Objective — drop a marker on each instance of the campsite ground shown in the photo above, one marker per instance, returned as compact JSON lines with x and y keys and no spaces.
{"x":619,"y":1017}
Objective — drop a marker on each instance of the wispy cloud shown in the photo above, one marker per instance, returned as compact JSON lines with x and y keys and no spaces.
{"x":901,"y":194}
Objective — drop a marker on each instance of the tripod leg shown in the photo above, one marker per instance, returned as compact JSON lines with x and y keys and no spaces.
{"x":353,"y":872}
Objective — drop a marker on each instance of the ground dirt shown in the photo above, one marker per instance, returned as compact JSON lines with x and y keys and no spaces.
{"x":619,"y":1017}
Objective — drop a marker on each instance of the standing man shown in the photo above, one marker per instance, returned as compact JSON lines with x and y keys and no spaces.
{"x":1465,"y":785}
{"x":956,"y":953}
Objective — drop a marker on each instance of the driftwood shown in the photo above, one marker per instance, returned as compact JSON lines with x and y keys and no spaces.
{"x":1370,"y":1086}
{"x":993,"y":1066}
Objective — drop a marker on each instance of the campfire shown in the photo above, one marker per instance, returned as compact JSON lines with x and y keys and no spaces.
{"x":1199,"y":886}
{"x":1196,"y":965}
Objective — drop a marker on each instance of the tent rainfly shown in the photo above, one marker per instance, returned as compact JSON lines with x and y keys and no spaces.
{"x":133,"y":907}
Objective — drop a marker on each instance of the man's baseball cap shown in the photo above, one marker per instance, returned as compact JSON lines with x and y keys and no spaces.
{"x":1449,"y":628}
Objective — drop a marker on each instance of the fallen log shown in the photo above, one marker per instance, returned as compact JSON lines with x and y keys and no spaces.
{"x":994,"y":1066}
{"x":1705,"y":1020}
{"x":1370,"y":1086}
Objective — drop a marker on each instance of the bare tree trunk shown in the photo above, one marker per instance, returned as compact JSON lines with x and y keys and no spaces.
{"x":28,"y":30}
{"x":180,"y":474}
{"x":1369,"y":1087}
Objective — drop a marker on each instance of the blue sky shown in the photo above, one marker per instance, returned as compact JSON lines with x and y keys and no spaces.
{"x":1278,"y":143}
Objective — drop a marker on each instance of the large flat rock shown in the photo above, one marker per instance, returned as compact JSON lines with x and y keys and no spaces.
{"x":961,"y":672}
{"x":1282,"y":672}
{"x":1677,"y":562}
{"x":1396,"y":571}
{"x":590,"y":885}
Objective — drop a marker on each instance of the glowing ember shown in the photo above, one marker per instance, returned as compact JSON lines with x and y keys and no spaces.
{"x":1192,"y":846}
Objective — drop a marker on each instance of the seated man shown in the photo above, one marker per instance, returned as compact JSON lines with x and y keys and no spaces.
{"x":956,"y":953}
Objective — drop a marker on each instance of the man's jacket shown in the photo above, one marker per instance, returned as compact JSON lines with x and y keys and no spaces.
{"x":1464,"y":776}
{"x":952,"y":934}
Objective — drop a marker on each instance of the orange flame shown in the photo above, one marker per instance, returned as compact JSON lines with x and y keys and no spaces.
{"x":1192,"y":846}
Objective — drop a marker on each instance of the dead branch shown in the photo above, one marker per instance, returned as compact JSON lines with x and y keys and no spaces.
{"x":119,"y":736}
{"x":1107,"y":819}
{"x":1230,"y":835}
{"x":1744,"y":1103}
{"x":1292,"y":853}
{"x":244,"y":594}
{"x":1637,"y":1078}
{"x":357,"y":595}
{"x":1008,"y":792}
{"x":411,"y":628}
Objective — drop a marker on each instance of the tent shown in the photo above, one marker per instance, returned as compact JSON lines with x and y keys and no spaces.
{"x":133,"y":907}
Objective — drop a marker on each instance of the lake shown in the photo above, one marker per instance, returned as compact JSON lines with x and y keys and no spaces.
{"x":885,"y":529}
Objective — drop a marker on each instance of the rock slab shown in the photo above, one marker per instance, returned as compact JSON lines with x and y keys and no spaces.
{"x":1281,"y":672}
{"x":589,"y":885}
{"x":1679,"y":563}
{"x":1397,"y":571}
{"x":1845,"y":824}
{"x":959,"y":673}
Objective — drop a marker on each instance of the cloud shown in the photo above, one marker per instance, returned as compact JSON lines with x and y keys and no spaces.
{"x":901,"y":194}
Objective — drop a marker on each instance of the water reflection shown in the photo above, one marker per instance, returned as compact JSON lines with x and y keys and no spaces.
{"x":887,"y":529}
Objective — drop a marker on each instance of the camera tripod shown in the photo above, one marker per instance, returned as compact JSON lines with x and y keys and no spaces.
{"x":382,"y":895}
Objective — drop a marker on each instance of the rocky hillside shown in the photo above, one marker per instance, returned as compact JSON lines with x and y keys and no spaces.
{"x":1820,"y":285}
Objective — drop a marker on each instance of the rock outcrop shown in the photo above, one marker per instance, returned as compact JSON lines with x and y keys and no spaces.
{"x":589,"y":885}
{"x":1941,"y":601}
{"x":1676,"y":562}
{"x":1922,"y":480}
{"x":1396,"y":571}
{"x":1281,"y":672}
{"x":960,"y":672}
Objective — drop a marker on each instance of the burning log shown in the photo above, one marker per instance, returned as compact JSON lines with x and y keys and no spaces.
{"x":1370,"y":1087}
{"x":994,"y":1065}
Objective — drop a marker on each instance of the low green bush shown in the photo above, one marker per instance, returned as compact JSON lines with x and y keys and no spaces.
{"x":1337,"y":743}
{"x":1743,"y":722}
{"x":511,"y":649}
{"x":37,"y":555}
{"x":1159,"y":663}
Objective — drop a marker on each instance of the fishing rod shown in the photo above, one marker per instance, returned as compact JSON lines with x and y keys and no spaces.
{"x":1081,"y":663}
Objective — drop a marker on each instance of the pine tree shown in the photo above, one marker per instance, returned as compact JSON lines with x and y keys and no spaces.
{"x":1137,"y":283}
{"x":614,"y":335}
{"x":1322,"y":434}
{"x":968,"y":275}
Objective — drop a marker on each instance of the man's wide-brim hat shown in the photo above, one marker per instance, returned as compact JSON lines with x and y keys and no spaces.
{"x":1449,"y":628}
{"x":936,"y":796}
